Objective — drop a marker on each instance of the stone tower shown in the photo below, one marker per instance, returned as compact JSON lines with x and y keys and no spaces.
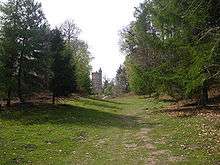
{"x":97,"y":82}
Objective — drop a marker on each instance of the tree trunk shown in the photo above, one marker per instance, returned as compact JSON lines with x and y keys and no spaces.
{"x":204,"y":99}
{"x":19,"y":85}
{"x":53,"y":99}
{"x":20,"y":62}
{"x":21,"y":99}
{"x":9,"y":98}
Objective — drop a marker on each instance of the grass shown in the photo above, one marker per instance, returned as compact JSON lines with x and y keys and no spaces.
{"x":129,"y":130}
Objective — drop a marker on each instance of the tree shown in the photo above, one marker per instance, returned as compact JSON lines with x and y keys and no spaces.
{"x":31,"y":60}
{"x":81,"y":56}
{"x":122,"y":80}
{"x":108,"y":87}
{"x":175,"y":46}
{"x":70,"y":30}
{"x":82,"y":59}
{"x":63,"y":79}
{"x":9,"y":46}
{"x":24,"y":35}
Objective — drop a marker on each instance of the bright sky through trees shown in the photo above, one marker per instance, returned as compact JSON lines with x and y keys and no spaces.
{"x":100,"y":21}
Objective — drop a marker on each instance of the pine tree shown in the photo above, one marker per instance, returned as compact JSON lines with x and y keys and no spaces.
{"x":175,"y":46}
{"x":24,"y":35}
{"x":63,"y":74}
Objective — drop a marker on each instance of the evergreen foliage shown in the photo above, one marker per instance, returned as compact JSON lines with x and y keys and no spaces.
{"x":173,"y":47}
{"x":63,"y":74}
{"x":34,"y":59}
{"x":24,"y":32}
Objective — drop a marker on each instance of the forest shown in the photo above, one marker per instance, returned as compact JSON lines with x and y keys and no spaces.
{"x":35,"y":58}
{"x":173,"y":47}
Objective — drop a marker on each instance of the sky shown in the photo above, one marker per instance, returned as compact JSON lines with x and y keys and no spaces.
{"x":100,"y":22}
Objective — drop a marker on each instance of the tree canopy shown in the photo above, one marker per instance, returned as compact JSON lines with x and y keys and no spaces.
{"x":35,"y":58}
{"x":173,"y":47}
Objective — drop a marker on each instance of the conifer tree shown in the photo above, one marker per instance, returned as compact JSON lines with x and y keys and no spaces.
{"x":24,"y":46}
{"x":63,"y":74}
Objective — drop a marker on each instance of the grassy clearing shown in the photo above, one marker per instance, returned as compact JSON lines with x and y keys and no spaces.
{"x":129,"y":130}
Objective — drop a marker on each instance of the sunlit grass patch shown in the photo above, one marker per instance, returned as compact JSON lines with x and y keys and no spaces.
{"x":129,"y":130}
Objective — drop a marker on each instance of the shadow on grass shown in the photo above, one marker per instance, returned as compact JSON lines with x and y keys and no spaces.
{"x":106,"y":101}
{"x":68,"y":115}
{"x":100,"y":103}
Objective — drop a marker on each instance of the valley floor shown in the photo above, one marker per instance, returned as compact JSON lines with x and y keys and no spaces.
{"x":129,"y":130}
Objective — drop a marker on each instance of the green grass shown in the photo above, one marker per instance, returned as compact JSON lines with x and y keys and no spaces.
{"x":90,"y":131}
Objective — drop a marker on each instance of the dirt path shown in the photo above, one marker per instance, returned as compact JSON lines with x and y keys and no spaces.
{"x":156,"y":156}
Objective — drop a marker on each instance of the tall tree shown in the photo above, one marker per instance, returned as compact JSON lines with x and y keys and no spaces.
{"x":24,"y":32}
{"x":80,"y":55}
{"x":82,"y":59}
{"x":176,"y":43}
{"x":63,"y":79}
